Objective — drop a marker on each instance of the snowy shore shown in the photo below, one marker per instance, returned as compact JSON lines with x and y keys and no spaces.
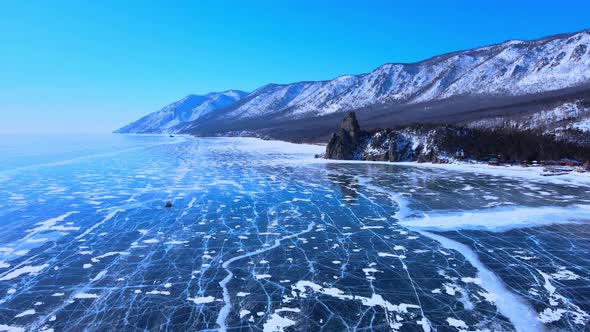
{"x":306,"y":153}
{"x":533,"y":172}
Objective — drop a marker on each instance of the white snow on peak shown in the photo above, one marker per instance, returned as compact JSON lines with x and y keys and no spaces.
{"x":511,"y":68}
{"x":189,"y":108}
{"x":514,"y":67}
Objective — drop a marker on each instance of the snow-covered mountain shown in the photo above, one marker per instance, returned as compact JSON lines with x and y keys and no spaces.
{"x":189,"y":108}
{"x":511,"y":68}
{"x":468,"y":83}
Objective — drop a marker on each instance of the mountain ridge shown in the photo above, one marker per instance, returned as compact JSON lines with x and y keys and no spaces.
{"x":189,"y":108}
{"x":510,"y":70}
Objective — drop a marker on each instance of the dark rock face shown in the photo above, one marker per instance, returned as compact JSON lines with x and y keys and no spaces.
{"x":399,"y":145}
{"x":444,"y":143}
{"x":344,"y":144}
{"x":351,"y":126}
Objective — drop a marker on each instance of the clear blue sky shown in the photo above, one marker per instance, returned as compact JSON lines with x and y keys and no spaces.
{"x":93,"y":66}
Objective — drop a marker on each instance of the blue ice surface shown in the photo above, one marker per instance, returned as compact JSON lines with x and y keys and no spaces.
{"x":262,"y":236}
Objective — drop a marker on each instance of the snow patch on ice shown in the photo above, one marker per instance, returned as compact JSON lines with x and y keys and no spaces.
{"x":501,"y":219}
{"x":26,"y":313}
{"x":23,"y":270}
{"x":85,"y":296}
{"x":201,"y":300}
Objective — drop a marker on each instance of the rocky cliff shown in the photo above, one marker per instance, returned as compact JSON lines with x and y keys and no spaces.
{"x":346,"y":142}
{"x":444,"y":143}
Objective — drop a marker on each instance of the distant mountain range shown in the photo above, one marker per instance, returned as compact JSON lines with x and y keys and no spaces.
{"x":542,"y":83}
{"x":188,"y":109}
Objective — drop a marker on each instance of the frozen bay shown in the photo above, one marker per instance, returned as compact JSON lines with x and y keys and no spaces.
{"x":263,"y":237}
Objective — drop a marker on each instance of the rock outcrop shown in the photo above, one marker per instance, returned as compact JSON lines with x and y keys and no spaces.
{"x":344,"y":144}
{"x":444,"y":143}
{"x":418,"y":143}
{"x":349,"y":142}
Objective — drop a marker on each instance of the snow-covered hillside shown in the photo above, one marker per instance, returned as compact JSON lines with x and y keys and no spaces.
{"x":189,"y":108}
{"x":479,"y":77}
{"x":511,"y":68}
{"x":565,"y":116}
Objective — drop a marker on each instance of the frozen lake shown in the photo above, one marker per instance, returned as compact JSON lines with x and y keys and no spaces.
{"x":263,"y":237}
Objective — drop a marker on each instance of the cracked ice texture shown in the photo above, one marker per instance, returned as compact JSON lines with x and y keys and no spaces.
{"x":262,"y":237}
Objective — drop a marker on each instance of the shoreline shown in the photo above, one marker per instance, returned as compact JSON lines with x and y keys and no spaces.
{"x":530,"y":173}
{"x":514,"y":171}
